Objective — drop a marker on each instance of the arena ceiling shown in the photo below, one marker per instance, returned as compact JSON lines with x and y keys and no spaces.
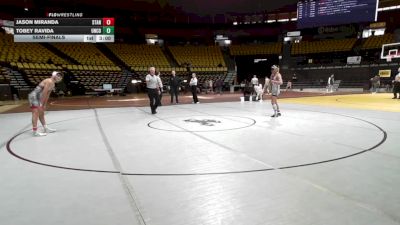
{"x":199,"y":7}
{"x":187,"y":6}
{"x":226,"y":6}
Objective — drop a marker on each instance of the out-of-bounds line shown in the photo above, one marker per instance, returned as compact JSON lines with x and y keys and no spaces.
{"x":22,"y":131}
{"x":196,"y":174}
{"x":18,"y":132}
{"x":8,"y":146}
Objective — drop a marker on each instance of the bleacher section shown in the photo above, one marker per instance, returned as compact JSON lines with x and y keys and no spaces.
{"x":92,"y":76}
{"x":25,"y":52}
{"x":92,"y":68}
{"x":37,"y":62}
{"x":208,"y":57}
{"x":376,"y":42}
{"x":36,"y":72}
{"x":167,"y":70}
{"x":142,"y":71}
{"x":4,"y":76}
{"x":206,"y":77}
{"x":324,"y":46}
{"x":165,"y":73}
{"x":96,"y":68}
{"x":15,"y":79}
{"x":209,"y":70}
{"x":24,"y":65}
{"x":137,"y":56}
{"x":95,"y":80}
{"x":84,"y":53}
{"x":140,"y":57}
{"x":264,"y":49}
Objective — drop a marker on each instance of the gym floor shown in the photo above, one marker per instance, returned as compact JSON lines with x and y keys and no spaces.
{"x":327,"y":160}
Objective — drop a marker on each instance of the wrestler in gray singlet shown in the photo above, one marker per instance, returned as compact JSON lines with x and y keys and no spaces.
{"x":35,"y":96}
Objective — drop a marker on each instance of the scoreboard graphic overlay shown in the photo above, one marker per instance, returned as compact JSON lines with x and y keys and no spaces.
{"x":94,"y":30}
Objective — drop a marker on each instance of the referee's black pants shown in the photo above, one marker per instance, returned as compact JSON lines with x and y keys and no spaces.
{"x":194,"y":93}
{"x":154,"y":99}
{"x":160,"y":98}
{"x":174,"y":92}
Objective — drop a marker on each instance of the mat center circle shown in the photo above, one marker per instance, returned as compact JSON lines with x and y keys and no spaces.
{"x":201,"y":123}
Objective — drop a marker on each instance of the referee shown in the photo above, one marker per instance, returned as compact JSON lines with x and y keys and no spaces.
{"x":154,"y":89}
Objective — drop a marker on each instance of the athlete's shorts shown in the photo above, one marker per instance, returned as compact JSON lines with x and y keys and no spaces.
{"x":275,"y":90}
{"x":34,"y":100}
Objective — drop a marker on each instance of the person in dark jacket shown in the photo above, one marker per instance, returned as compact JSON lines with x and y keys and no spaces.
{"x":174,"y":84}
{"x":218,"y":85}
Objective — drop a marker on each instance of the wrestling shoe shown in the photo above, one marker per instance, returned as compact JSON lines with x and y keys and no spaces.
{"x":49,"y":130}
{"x":39,"y":134}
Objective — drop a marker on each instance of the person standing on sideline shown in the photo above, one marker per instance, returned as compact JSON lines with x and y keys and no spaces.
{"x":276,"y":82}
{"x":38,"y":101}
{"x":396,"y":85}
{"x":218,"y":86}
{"x":154,"y":87}
{"x":294,"y":78}
{"x":174,"y":84}
{"x":267,"y":85}
{"x":289,"y":85}
{"x":254,"y":82}
{"x":375,"y":83}
{"x":160,"y":88}
{"x":211,"y":86}
{"x":193,"y":87}
{"x":331,"y":81}
{"x":259,"y":91}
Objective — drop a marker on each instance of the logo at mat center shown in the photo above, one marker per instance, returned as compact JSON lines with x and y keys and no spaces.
{"x":203,"y":122}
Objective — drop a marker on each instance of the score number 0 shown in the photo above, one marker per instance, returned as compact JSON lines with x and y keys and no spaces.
{"x":108,"y":21}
